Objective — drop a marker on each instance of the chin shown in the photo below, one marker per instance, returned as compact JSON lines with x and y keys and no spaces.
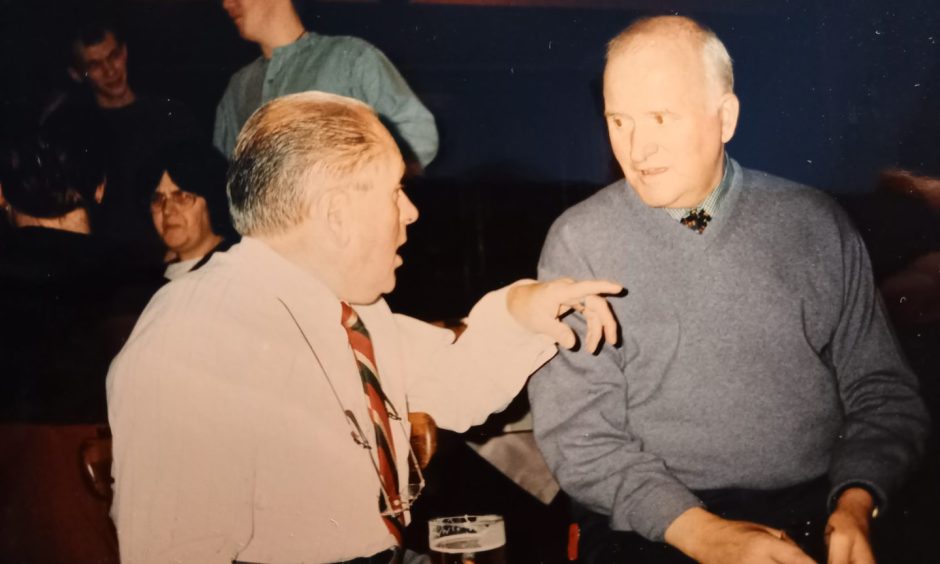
{"x":652,"y":198}
{"x":390,"y":286}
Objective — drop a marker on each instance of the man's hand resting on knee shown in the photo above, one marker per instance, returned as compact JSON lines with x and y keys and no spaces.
{"x":712,"y":540}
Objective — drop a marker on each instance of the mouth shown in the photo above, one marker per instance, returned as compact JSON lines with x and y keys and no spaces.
{"x":649,"y":172}
{"x":398,"y":259}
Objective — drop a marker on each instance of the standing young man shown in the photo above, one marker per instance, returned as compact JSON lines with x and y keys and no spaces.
{"x":294,"y":59}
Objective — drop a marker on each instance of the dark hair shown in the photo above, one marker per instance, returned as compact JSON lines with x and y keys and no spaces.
{"x":55,"y":168}
{"x":195,"y":166}
{"x":91,"y":29}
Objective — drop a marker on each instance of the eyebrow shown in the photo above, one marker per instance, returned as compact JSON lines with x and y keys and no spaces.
{"x":107,"y":55}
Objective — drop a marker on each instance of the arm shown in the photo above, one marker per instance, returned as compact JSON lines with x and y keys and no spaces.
{"x":460,"y":383}
{"x":579,"y":404}
{"x":885,"y":421}
{"x":225,"y":129}
{"x":406,"y":117}
{"x":510,"y":333}
{"x":583,"y":429}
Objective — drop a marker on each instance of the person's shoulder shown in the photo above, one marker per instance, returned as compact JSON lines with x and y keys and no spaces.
{"x":213,"y":295}
{"x":608,"y":203}
{"x":349,"y":42}
{"x":780,"y":191}
{"x":341,"y":46}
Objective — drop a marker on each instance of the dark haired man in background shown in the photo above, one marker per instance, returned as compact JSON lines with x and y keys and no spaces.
{"x":136,"y":125}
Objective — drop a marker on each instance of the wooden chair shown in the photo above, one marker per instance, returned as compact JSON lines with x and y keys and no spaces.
{"x":49,"y":509}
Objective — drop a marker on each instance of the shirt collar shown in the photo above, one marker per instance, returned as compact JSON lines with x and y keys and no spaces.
{"x":290,"y":48}
{"x":712,"y":203}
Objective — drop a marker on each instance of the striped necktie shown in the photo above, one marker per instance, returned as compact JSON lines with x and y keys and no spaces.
{"x":376,"y":400}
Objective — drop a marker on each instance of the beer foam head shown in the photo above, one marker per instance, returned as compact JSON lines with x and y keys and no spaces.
{"x":455,"y":535}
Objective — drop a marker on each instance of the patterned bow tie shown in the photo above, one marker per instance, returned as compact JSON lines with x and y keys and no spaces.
{"x":696,"y":220}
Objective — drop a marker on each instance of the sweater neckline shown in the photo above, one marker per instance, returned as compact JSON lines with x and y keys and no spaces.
{"x":669,"y":232}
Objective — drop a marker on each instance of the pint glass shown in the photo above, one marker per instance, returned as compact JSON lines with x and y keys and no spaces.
{"x":476,"y":539}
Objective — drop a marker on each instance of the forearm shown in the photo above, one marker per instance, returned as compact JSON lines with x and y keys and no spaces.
{"x":418,"y":129}
{"x":580,"y":422}
{"x":461,"y":383}
{"x":885,"y":421}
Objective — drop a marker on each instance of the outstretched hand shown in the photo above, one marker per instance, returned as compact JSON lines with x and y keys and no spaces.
{"x":539,"y":307}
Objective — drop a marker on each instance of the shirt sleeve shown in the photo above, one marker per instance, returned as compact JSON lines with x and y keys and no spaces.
{"x":461,"y":383}
{"x":183,"y":490}
{"x":581,"y":424}
{"x":406,"y":117}
{"x":885,"y":421}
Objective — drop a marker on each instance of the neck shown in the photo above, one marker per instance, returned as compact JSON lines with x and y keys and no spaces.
{"x":75,"y":221}
{"x":312,"y":258}
{"x":111,"y":102}
{"x":713,"y":184}
{"x":200,"y":250}
{"x":285,"y":29}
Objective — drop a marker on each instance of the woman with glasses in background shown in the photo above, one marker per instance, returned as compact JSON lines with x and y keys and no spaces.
{"x":188,"y":205}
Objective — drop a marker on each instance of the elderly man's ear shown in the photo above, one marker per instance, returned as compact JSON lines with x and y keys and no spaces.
{"x":728,"y":111}
{"x":333,"y":209}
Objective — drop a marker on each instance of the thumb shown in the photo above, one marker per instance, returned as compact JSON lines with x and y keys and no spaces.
{"x":562,"y":334}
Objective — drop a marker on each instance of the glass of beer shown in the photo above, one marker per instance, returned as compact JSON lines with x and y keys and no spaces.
{"x":477,"y":539}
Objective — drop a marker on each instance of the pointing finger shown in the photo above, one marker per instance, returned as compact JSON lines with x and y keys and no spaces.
{"x":576,"y":292}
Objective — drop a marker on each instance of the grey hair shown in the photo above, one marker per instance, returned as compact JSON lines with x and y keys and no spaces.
{"x":294,"y":146}
{"x":718,"y":65}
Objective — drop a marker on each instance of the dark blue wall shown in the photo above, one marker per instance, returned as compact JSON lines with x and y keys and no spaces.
{"x":831,"y":93}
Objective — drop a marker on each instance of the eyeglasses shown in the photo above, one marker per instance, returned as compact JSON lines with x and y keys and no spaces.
{"x":181,"y":198}
{"x":415,"y":476}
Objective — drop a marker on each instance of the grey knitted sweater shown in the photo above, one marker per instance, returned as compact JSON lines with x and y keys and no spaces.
{"x":754,"y":355}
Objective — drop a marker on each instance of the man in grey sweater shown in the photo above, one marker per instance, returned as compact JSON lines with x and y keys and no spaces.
{"x":758,"y":409}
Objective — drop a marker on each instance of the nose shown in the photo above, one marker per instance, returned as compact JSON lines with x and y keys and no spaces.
{"x":228,"y":6}
{"x":109,"y":67}
{"x":642,"y":145}
{"x":407,"y":211}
